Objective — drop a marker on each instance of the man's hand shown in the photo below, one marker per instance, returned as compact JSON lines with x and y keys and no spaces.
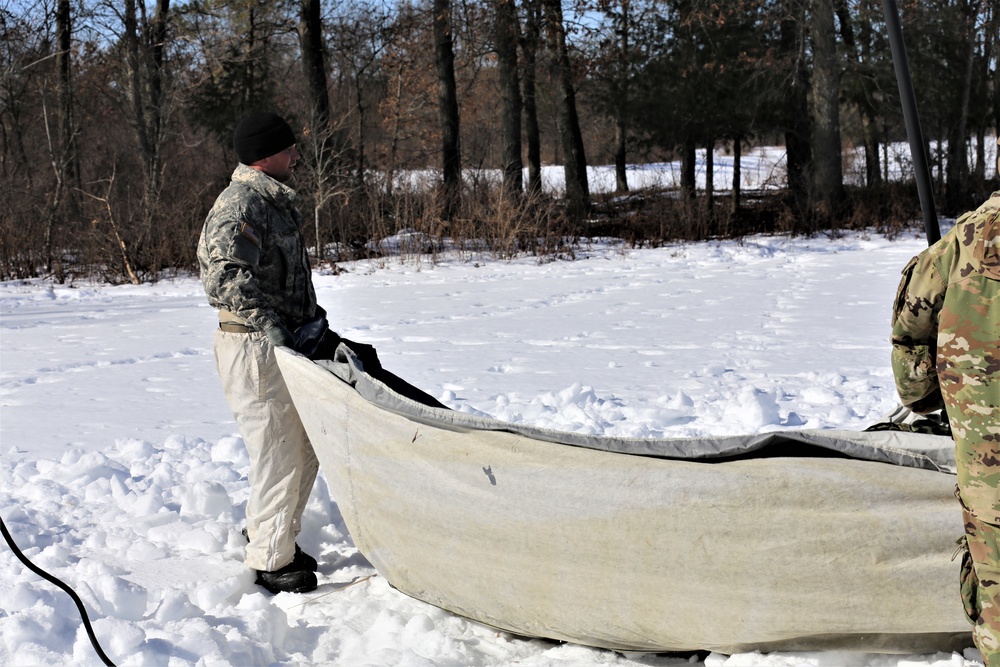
{"x":279,"y":336}
{"x":929,"y":403}
{"x":309,"y":336}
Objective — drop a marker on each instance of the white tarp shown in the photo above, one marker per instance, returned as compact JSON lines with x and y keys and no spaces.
{"x":792,"y":541}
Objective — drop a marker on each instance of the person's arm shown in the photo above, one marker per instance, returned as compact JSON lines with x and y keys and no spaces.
{"x":914,"y":334}
{"x":232,"y":246}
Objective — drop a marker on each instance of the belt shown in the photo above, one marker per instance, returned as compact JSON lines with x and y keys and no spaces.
{"x":235,"y":327}
{"x":231,"y":323}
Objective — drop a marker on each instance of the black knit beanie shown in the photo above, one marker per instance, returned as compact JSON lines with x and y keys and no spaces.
{"x":261,"y":135}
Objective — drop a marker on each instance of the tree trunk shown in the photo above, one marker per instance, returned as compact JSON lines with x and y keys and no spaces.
{"x":64,"y":23}
{"x":873,"y":166}
{"x":622,"y":102}
{"x":860,"y":59}
{"x":532,"y":135}
{"x":996,"y":99}
{"x":958,"y":158}
{"x":621,"y":155}
{"x":144,"y":48}
{"x":797,"y":125}
{"x":314,"y":63}
{"x":709,"y":175}
{"x":737,"y":166}
{"x":310,"y":30}
{"x":688,"y":170}
{"x":394,"y":137}
{"x":133,"y":64}
{"x":828,"y":160}
{"x":157,"y":49}
{"x":507,"y":34}
{"x":62,"y":150}
{"x":575,"y":160}
{"x":992,"y":26}
{"x":451,"y":191}
{"x":249,"y":89}
{"x":872,"y":125}
{"x":980,"y":172}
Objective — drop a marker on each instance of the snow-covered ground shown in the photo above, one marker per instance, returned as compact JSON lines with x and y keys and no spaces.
{"x":123,"y":474}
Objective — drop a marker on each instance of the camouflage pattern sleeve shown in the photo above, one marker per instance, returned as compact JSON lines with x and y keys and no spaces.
{"x":914,"y":333}
{"x":969,"y":359}
{"x":229,"y":254}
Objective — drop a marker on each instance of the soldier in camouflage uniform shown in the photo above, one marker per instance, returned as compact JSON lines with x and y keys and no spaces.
{"x":257,"y":274}
{"x":945,"y":337}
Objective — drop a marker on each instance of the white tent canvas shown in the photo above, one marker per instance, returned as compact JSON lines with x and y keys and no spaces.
{"x":795,"y":540}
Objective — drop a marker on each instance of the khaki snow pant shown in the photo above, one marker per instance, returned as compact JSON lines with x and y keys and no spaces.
{"x":283,"y":466}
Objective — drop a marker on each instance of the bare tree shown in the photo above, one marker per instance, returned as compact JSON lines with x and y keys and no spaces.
{"x":67,"y":125}
{"x":451,"y":186}
{"x":828,"y":176}
{"x":855,"y":65}
{"x":575,"y":160}
{"x":796,"y":121}
{"x":121,"y":248}
{"x":62,"y":150}
{"x":28,"y":153}
{"x":399,"y":107}
{"x":318,"y":143}
{"x":358,"y":44}
{"x":322,"y":175}
{"x":958,"y":159}
{"x":144,"y":41}
{"x":614,"y":69}
{"x":990,"y":43}
{"x":529,"y":46}
{"x":313,"y":61}
{"x":623,"y":30}
{"x":507,"y":35}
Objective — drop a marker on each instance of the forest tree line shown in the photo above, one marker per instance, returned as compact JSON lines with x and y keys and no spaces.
{"x":116,"y":118}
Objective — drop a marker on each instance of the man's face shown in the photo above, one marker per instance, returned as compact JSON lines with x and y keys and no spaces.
{"x":280,"y":165}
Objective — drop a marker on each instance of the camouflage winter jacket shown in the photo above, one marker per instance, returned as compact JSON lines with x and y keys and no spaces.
{"x":945,"y":337}
{"x":252,"y":254}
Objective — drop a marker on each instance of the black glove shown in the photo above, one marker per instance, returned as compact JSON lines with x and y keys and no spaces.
{"x":310,"y":335}
{"x":327,"y":347}
{"x":279,"y":336}
{"x":367,"y":355}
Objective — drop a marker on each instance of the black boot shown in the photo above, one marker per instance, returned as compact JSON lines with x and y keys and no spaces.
{"x":287,"y":580}
{"x":302,"y":560}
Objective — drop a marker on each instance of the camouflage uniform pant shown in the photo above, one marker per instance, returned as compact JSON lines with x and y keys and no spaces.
{"x":981,"y":585}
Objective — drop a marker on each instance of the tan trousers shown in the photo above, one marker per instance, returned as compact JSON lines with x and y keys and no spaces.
{"x":283,"y":465}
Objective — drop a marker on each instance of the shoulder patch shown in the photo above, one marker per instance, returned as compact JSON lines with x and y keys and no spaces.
{"x":249,"y":231}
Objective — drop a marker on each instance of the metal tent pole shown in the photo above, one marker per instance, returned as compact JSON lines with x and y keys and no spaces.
{"x":912,"y":119}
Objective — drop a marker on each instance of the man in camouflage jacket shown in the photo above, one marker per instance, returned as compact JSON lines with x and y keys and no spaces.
{"x":945,"y":336}
{"x":257,"y":274}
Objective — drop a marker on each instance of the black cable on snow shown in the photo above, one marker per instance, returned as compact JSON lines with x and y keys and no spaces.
{"x":48,"y":577}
